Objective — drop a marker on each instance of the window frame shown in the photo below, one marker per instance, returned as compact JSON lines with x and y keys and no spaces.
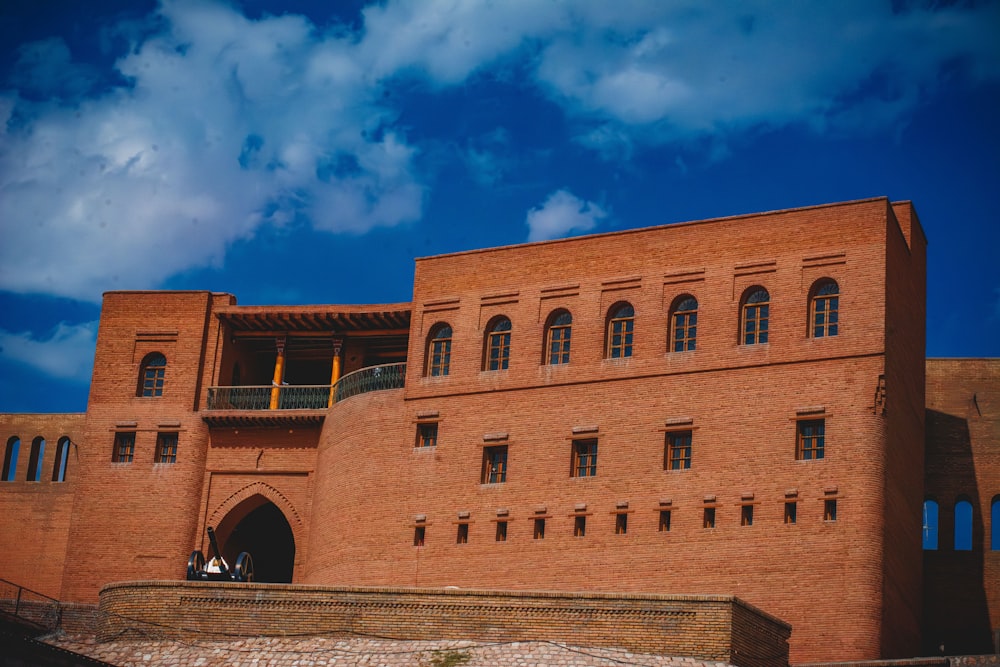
{"x":621,"y":523}
{"x":751,"y":304}
{"x":558,"y":338}
{"x":830,"y":302}
{"x":964,"y":511}
{"x":61,"y":461}
{"x":427,"y":435}
{"x":931,"y":528}
{"x":684,"y":321}
{"x":462,"y":533}
{"x":664,"y":522}
{"x":124,"y":447}
{"x":152,"y":375}
{"x":620,"y":324}
{"x":580,"y":525}
{"x":677,"y":452}
{"x":490,"y":472}
{"x":810,"y":446}
{"x":583,"y":463}
{"x":538,"y":528}
{"x":438,"y":350}
{"x":501,"y":530}
{"x":498,"y":338}
{"x":166,"y":446}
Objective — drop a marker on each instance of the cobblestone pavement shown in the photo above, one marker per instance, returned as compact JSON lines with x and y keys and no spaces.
{"x":293,"y":652}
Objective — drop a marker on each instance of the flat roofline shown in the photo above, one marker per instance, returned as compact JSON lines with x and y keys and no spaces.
{"x":684,"y":223}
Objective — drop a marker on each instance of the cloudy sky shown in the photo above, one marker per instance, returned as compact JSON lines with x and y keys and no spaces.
{"x":305,"y":151}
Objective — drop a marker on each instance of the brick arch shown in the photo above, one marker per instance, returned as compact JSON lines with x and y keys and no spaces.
{"x":265,"y":491}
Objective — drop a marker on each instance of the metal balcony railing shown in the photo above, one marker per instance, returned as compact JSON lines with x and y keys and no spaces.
{"x":372,"y":378}
{"x":307,"y":397}
{"x":27,"y":605}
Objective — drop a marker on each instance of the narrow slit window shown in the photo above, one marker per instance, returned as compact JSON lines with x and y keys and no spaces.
{"x":419,"y":535}
{"x":621,"y":524}
{"x":61,"y":460}
{"x":830,"y":509}
{"x":708,"y":520}
{"x":579,"y":526}
{"x":463,"y":534}
{"x":746,"y":515}
{"x":501,"y":531}
{"x":664,"y":523}
{"x":930,"y":527}
{"x":791,"y":509}
{"x":35,"y":456}
{"x":539,"y":529}
{"x":10,"y":459}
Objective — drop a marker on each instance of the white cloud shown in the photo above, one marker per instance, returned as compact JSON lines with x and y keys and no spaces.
{"x":230,"y":124}
{"x":561,"y":214}
{"x":67,"y":354}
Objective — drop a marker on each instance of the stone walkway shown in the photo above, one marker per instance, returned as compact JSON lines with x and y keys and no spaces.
{"x":338,"y":652}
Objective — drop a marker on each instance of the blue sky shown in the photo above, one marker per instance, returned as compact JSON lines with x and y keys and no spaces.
{"x":305,"y":151}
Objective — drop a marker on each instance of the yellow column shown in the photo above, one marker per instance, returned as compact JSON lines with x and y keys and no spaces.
{"x":279,"y":372}
{"x":335,"y":373}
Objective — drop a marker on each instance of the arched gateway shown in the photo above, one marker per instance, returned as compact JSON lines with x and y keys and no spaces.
{"x":256,"y":525}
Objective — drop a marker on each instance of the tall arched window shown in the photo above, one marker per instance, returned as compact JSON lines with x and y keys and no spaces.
{"x":824,"y":308}
{"x":683,"y":324}
{"x":151,"y":375}
{"x":10,"y":458}
{"x":754,"y":316}
{"x":963,"y":525}
{"x":438,"y":350}
{"x":995,"y":524}
{"x":497,"y":356}
{"x":621,"y":325}
{"x":37,"y":453}
{"x":557,"y":337}
{"x":930,"y":537}
{"x":61,"y":461}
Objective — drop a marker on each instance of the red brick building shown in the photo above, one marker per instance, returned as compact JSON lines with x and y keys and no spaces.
{"x":724,"y":407}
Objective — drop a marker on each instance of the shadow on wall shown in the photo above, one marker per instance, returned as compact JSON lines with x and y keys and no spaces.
{"x":956,"y":617}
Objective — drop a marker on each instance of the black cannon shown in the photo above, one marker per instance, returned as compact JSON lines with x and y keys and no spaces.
{"x":216,"y":568}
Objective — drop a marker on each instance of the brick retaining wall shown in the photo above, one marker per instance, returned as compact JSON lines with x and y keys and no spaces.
{"x":721,"y":628}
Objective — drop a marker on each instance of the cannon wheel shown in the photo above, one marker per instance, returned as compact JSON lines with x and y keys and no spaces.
{"x":196,"y":565}
{"x":244,"y":568}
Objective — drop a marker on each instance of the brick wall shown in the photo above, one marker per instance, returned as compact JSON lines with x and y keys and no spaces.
{"x":718,"y":628}
{"x":36,"y":515}
{"x":962,"y":588}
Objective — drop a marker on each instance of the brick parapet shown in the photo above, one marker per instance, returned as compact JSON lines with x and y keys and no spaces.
{"x":698,"y":626}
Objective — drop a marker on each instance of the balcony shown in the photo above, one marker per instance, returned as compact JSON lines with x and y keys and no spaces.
{"x":266,"y":405}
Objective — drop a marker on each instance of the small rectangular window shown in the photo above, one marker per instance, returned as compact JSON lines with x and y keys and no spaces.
{"x":501,"y":531}
{"x":494,"y":469}
{"x":427,"y":435}
{"x":810,"y":439}
{"x":463,"y":534}
{"x":709,"y":518}
{"x":664,"y":524}
{"x":677,"y":451}
{"x":621,"y":524}
{"x":746,"y":515}
{"x":166,"y":448}
{"x":419,"y":533}
{"x":790,"y":512}
{"x":539,"y":531}
{"x":584,"y":463}
{"x":830,"y":510}
{"x":124,"y":447}
{"x":579,"y":526}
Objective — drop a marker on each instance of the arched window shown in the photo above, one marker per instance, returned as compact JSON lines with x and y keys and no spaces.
{"x":557,"y":337}
{"x":10,"y":458}
{"x":61,"y":461}
{"x":683,"y":324}
{"x":151,"y":375}
{"x":930,"y":537}
{"x":438,"y":350}
{"x":497,"y":356}
{"x":963,"y":525}
{"x":754,"y":315}
{"x":824,"y":308}
{"x":35,"y":457}
{"x":995,"y":524}
{"x":621,"y":325}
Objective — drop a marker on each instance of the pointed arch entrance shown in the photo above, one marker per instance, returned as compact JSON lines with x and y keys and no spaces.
{"x":256,"y":525}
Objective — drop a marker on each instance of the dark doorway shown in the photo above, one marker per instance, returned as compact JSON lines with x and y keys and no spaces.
{"x":264,"y":533}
